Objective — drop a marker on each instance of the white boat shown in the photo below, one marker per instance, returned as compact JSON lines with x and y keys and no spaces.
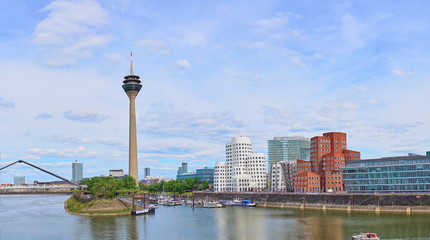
{"x":365,"y":236}
{"x":212,"y":205}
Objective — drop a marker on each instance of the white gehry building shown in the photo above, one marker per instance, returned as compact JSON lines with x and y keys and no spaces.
{"x":243,"y":170}
{"x":281,"y":176}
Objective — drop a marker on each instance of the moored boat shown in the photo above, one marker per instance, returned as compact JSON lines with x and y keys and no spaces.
{"x":244,"y":203}
{"x":365,"y":236}
{"x":212,"y":205}
{"x":143,"y":211}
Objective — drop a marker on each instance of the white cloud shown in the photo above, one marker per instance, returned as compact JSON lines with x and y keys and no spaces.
{"x":6,"y":104}
{"x":155,"y":46}
{"x":67,"y":152}
{"x":114,"y":57}
{"x":85,"y":116}
{"x":276,"y":22}
{"x":402,"y":73}
{"x":67,"y":140}
{"x":71,"y":31}
{"x":183,"y":64}
{"x":30,"y":157}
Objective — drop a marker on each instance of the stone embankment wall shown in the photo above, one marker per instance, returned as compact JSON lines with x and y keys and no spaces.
{"x":350,"y":202}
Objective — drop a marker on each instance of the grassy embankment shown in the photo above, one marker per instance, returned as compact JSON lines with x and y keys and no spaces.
{"x":97,"y":207}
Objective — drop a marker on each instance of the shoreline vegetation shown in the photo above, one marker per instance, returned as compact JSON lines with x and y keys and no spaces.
{"x":97,"y":207}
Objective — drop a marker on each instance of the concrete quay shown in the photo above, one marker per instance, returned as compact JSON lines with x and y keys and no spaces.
{"x":407,"y":203}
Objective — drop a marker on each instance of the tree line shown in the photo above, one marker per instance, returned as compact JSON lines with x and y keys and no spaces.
{"x":109,"y":187}
{"x":177,"y":186}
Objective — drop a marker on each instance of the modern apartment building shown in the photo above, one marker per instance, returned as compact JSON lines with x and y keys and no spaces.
{"x":388,"y":174}
{"x":328,"y":155}
{"x":286,"y":150}
{"x":77,"y":171}
{"x":243,"y":170}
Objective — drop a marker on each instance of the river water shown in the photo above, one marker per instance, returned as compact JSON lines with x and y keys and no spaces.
{"x":43,"y":217}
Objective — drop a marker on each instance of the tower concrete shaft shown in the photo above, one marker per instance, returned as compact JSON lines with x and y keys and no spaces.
{"x":132,"y":152}
{"x":132,"y":87}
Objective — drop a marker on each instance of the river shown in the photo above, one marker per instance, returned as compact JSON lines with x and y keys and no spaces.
{"x":43,"y":217}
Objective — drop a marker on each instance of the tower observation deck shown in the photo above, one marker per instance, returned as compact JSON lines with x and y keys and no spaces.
{"x":132,"y":87}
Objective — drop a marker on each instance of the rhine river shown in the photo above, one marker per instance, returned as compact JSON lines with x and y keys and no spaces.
{"x":43,"y":217}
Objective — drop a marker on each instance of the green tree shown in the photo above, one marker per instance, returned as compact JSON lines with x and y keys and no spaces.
{"x":105,"y":188}
{"x":205,"y":184}
{"x":120,"y":184}
{"x":195,"y":183}
{"x":129,"y":182}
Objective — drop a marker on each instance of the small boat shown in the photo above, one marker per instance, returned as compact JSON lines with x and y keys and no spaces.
{"x":143,"y":211}
{"x":244,"y":203}
{"x":365,"y":236}
{"x":153,"y":206}
{"x":212,"y":205}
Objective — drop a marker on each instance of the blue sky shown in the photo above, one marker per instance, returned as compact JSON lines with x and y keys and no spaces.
{"x":210,"y":71}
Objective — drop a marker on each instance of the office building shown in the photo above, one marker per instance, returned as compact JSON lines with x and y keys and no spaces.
{"x":77,"y":171}
{"x":285,"y":149}
{"x":117,"y":173}
{"x":388,"y":174}
{"x":205,"y":173}
{"x":201,"y":174}
{"x":183,"y":168}
{"x":147,"y":172}
{"x":328,"y":155}
{"x":243,"y":170}
{"x":18,"y":180}
{"x":288,"y":149}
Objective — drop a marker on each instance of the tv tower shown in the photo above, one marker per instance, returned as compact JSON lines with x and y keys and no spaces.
{"x":132,"y":87}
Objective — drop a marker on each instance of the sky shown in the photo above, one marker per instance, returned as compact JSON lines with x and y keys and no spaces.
{"x":210,"y":70}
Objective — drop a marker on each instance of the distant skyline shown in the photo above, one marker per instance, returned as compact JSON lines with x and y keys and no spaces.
{"x":210,"y":71}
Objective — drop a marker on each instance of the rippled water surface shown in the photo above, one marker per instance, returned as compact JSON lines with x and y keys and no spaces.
{"x":43,"y":217}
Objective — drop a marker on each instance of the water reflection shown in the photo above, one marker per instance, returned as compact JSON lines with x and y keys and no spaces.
{"x":104,"y":228}
{"x":43,"y":217}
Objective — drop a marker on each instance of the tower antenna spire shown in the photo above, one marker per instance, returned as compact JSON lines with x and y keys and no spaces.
{"x":131,"y":64}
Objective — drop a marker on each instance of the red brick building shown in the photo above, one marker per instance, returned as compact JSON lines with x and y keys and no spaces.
{"x":307,"y":182}
{"x":328,"y":154}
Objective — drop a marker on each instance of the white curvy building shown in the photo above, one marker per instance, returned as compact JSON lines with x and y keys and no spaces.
{"x":281,"y":176}
{"x":243,"y":170}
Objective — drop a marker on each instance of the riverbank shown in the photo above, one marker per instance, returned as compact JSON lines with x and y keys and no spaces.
{"x":33,"y":192}
{"x":407,"y":203}
{"x":97,"y":207}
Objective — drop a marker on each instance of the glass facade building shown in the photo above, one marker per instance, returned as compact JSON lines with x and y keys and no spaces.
{"x":77,"y":171}
{"x":204,"y":173}
{"x":392,"y":174}
{"x":288,"y":149}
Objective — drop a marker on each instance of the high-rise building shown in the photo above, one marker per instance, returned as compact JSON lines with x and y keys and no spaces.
{"x":18,"y":180}
{"x":183,"y":168}
{"x":77,"y":171}
{"x":147,"y":172}
{"x":132,"y":87}
{"x":328,"y":154}
{"x":285,"y":149}
{"x":243,"y":169}
{"x":288,"y":149}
